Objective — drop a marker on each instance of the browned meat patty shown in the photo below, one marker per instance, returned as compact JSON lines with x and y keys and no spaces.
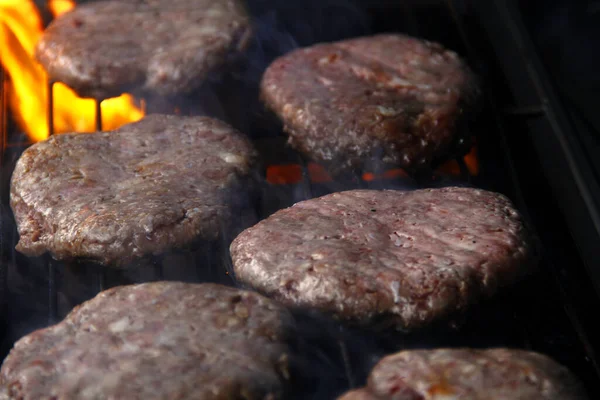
{"x":394,"y":258}
{"x":105,"y":48}
{"x":388,"y":97}
{"x":162,"y":340}
{"x":142,"y":189}
{"x":468,"y":374}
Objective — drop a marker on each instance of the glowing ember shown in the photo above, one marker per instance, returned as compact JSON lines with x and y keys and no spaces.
{"x":290,"y":174}
{"x":452,"y":168}
{"x":20,"y":29}
{"x":389,"y":174}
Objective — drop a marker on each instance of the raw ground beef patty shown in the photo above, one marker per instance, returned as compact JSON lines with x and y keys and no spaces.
{"x":168,"y":47}
{"x":391,"y":98}
{"x":113,"y":197}
{"x":162,"y":340}
{"x":468,"y":374}
{"x":396,"y":258}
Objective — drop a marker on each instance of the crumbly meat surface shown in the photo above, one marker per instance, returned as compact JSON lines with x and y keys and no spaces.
{"x":145,"y":188}
{"x":391,"y":98}
{"x":469,"y":374}
{"x":162,"y":340}
{"x":401,"y":259}
{"x":167,"y":47}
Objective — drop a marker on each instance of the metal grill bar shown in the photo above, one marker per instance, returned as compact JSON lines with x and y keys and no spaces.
{"x":98,"y":115}
{"x":100,"y":276}
{"x":306,"y":181}
{"x":346,"y":360}
{"x":158,"y":268}
{"x":465,"y":175}
{"x":3,"y":141}
{"x":52,"y":292}
{"x":50,"y":108}
{"x":526,"y":112}
{"x":3,"y":110}
{"x":98,"y":105}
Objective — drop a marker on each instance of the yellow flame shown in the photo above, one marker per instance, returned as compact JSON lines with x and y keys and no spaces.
{"x":20,"y":29}
{"x":58,"y":7}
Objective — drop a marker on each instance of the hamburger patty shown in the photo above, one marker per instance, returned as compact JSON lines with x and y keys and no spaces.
{"x":161,"y":340}
{"x":112,"y":197}
{"x":389,"y":97}
{"x":105,"y":48}
{"x":468,"y":374}
{"x":396,"y":258}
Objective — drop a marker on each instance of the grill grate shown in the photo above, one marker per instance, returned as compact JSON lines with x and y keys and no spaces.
{"x":539,"y":314}
{"x":98,"y":107}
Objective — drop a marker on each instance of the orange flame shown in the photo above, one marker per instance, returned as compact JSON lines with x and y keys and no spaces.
{"x":58,"y":7}
{"x":20,"y":29}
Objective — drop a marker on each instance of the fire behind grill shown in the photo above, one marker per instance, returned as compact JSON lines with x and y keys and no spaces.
{"x":546,"y":313}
